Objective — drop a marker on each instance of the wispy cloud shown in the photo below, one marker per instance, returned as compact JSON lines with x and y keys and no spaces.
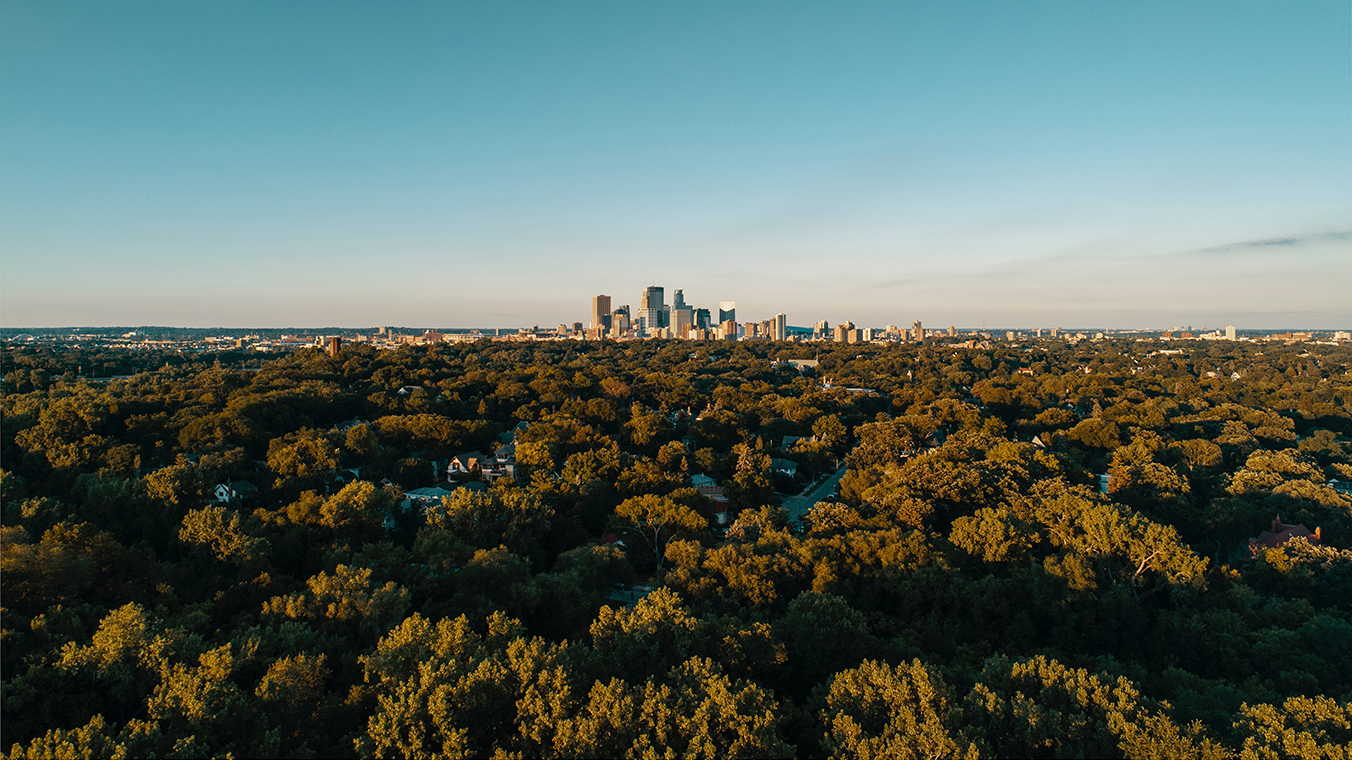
{"x":1277,"y":242}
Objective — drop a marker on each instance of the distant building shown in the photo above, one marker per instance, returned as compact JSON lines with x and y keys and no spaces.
{"x":601,"y":312}
{"x":682,"y":316}
{"x":952,"y":331}
{"x":727,"y":311}
{"x":917,"y":332}
{"x":335,"y":345}
{"x":652,"y":311}
{"x":620,"y":321}
{"x":781,"y":327}
{"x":1230,"y":332}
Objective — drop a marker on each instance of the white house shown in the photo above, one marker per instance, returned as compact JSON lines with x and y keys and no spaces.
{"x":234,"y":491}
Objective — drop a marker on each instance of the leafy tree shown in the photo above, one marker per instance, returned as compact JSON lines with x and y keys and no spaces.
{"x":219,"y":530}
{"x":876,"y":710}
{"x":659,"y":520}
{"x":307,"y":456}
{"x":1302,"y":727}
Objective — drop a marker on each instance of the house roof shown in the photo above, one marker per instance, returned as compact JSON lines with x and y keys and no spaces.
{"x":425,"y":493}
{"x":1280,"y":533}
{"x":712,"y":492}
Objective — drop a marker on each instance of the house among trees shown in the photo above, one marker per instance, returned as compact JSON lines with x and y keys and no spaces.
{"x":1279,"y":534}
{"x":234,"y":491}
{"x":501,"y":465}
{"x":467,"y":463}
{"x":709,"y":489}
{"x":511,"y":436}
{"x":426,"y":497}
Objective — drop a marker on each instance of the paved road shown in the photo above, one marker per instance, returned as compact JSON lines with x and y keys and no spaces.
{"x":800,"y":504}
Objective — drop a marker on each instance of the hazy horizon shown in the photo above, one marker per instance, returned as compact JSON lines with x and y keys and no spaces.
{"x":1138,"y":166}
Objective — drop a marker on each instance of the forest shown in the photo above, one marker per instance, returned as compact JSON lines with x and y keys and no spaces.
{"x":1037,"y":550}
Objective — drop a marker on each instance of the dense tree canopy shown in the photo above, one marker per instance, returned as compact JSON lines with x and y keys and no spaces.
{"x":1032,"y":551}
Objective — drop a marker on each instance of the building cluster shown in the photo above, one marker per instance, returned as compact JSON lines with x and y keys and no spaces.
{"x":655,"y":318}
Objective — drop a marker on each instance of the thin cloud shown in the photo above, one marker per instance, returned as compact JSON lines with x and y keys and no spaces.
{"x":1278,"y":242}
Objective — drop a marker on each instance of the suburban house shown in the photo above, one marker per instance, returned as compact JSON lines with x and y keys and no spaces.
{"x":234,"y":491}
{"x":709,"y":489}
{"x":426,"y":497}
{"x":513,"y":435}
{"x":1279,"y":534}
{"x":501,"y":465}
{"x":467,"y":463}
{"x":785,"y":466}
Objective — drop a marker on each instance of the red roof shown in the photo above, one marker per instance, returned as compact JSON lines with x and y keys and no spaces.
{"x":1280,"y":533}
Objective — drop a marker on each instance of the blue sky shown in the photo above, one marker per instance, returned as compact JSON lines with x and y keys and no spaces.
{"x":1142,"y":164}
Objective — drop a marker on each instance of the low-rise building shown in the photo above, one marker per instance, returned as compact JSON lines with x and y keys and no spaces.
{"x":1279,"y":533}
{"x":234,"y":491}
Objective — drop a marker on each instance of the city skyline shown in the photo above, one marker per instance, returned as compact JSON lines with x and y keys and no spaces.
{"x":254,"y":165}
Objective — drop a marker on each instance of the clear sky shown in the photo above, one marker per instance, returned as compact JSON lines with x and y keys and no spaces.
{"x":1118,"y":164}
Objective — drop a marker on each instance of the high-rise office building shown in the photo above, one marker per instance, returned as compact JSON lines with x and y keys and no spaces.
{"x":702,"y":319}
{"x":727,"y":310}
{"x":954,"y":331}
{"x":682,"y":319}
{"x":917,"y":331}
{"x":781,"y":327}
{"x":681,"y":315}
{"x":1229,"y":332}
{"x":601,"y":312}
{"x":619,"y":321}
{"x":652,"y":312}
